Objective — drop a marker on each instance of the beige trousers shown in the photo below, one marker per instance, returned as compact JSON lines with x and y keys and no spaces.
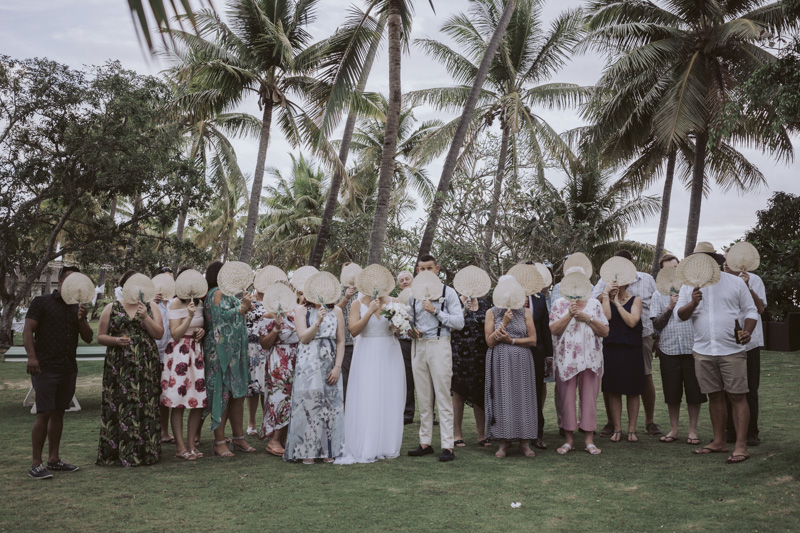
{"x":432,"y":364}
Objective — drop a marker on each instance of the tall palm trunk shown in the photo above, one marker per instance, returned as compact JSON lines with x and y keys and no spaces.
{"x":103,"y":272}
{"x":385,"y":178}
{"x":461,"y":130}
{"x":496,"y":193}
{"x":666,"y":197}
{"x":696,"y":198}
{"x":258,"y":183}
{"x":344,"y":150}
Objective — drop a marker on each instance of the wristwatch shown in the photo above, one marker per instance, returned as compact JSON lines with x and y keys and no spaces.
{"x":513,"y":341}
{"x":590,"y":321}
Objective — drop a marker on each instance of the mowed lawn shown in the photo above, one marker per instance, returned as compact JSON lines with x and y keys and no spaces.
{"x":649,"y":486}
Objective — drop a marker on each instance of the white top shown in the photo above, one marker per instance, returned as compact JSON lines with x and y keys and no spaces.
{"x":642,"y":288}
{"x":714,"y":319}
{"x":197,"y":319}
{"x":577,"y":348}
{"x":757,"y":286}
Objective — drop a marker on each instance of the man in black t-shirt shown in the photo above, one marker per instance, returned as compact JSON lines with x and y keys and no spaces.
{"x":51,"y":341}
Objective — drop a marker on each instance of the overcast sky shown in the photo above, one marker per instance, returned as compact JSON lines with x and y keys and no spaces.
{"x":85,"y":32}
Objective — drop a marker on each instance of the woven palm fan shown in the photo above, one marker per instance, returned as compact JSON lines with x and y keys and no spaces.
{"x":472,"y":282}
{"x":190,"y":285}
{"x":743,"y":257}
{"x":77,"y":289}
{"x":350,"y":274}
{"x":322,"y":288}
{"x":698,"y":270}
{"x":138,"y":288}
{"x":618,"y":269}
{"x":545,"y":272}
{"x":667,"y":281}
{"x":234,"y":278}
{"x":267,"y":276}
{"x":404,"y":296}
{"x":165,"y":284}
{"x":579,"y":259}
{"x":528,"y":276}
{"x":279,"y":299}
{"x":509,"y":294}
{"x":301,"y":275}
{"x":576,"y":286}
{"x":426,"y":286}
{"x":375,"y":281}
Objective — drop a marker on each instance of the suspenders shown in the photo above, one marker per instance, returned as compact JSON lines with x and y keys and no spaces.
{"x":444,"y":308}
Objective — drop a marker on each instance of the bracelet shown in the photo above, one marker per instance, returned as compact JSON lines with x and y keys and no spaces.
{"x":513,"y":341}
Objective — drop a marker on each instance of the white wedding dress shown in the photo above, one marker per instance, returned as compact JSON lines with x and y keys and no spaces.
{"x":376,"y":396}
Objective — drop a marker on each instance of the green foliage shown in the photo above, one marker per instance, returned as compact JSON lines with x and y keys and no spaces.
{"x":71,"y":144}
{"x":776,"y":235}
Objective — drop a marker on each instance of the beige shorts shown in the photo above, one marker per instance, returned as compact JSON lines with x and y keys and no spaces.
{"x":721,"y":373}
{"x":647,"y":352}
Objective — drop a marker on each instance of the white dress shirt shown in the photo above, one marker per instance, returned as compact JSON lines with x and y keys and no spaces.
{"x":643,"y":288}
{"x":757,"y":286}
{"x":714,"y":319}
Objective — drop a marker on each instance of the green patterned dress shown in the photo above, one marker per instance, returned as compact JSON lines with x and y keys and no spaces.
{"x":225,"y":352}
{"x":130,"y":427}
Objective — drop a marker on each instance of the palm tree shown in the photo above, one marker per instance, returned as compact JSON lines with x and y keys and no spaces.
{"x":517,"y":80}
{"x":678,"y":66}
{"x":158,"y":10}
{"x":294,"y":212}
{"x":263,"y":52}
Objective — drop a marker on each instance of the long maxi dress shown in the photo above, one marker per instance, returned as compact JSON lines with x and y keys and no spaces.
{"x":279,"y":376}
{"x":316,"y":429}
{"x":130,"y":425}
{"x":225,"y":348}
{"x":511,"y":408}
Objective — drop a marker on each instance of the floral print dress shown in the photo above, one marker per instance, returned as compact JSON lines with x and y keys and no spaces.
{"x":183,"y":384}
{"x":577,"y":348}
{"x":280,"y":376}
{"x":316,"y":429}
{"x":257,"y":355}
{"x":130,"y":427}
{"x":225,"y":352}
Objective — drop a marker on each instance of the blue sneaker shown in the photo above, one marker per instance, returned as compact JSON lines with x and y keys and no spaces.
{"x":39,"y":472}
{"x":61,"y":466}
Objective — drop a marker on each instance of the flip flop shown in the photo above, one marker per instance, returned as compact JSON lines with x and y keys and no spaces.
{"x":670,"y":438}
{"x":460,"y":444}
{"x":170,"y":440}
{"x":693,"y":441}
{"x":274,"y":452}
{"x":734,"y":459}
{"x":705,"y":450}
{"x":485,"y":443}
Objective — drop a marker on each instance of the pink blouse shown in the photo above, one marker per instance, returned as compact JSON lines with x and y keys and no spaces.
{"x":577,"y":348}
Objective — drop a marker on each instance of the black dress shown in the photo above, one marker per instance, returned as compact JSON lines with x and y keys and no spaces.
{"x":469,"y":356}
{"x":623,"y":363}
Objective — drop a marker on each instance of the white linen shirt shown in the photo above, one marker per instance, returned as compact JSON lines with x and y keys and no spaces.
{"x":677,"y":336}
{"x":643,"y":288}
{"x":714,"y":319}
{"x":757,"y":286}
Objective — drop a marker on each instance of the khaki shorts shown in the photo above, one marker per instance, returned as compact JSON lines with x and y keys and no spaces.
{"x":721,"y":373}
{"x":647,"y":352}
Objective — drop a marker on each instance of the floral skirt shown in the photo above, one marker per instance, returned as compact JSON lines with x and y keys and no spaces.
{"x":258,"y":369}
{"x":183,"y":384}
{"x":278,"y":396}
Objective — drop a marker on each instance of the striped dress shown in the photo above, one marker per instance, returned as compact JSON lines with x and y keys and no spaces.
{"x":511,"y":408}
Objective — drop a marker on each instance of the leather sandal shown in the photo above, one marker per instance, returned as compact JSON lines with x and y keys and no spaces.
{"x":224,"y":454}
{"x":237,"y":444}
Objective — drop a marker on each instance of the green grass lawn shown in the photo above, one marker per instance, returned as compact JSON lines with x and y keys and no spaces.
{"x":630,"y":487}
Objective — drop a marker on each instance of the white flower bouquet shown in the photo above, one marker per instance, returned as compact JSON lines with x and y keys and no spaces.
{"x":398,"y":316}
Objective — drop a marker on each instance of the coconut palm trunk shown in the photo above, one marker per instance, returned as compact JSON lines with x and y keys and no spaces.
{"x":258,"y":183}
{"x":461,"y":130}
{"x":315,"y":259}
{"x":666,"y":198}
{"x":496,"y":193}
{"x":696,"y":197}
{"x":385,"y":178}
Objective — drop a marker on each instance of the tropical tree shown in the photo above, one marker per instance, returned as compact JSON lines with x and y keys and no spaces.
{"x":518,"y":79}
{"x":161,"y":15}
{"x":294,"y":207}
{"x":677,"y":65}
{"x":264,"y":52}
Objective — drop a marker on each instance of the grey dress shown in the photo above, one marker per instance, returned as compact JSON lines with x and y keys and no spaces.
{"x":511,"y":409}
{"x":316,"y":427}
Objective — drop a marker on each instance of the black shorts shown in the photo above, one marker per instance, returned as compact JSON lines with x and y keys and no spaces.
{"x":54,"y":390}
{"x":677,"y":375}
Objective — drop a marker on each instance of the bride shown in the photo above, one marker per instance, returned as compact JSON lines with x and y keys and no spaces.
{"x":376,"y":388}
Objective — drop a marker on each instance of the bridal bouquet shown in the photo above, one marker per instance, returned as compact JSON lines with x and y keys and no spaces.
{"x":398,"y":316}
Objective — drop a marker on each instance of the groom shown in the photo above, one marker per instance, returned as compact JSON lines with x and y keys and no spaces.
{"x":432,"y":362}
